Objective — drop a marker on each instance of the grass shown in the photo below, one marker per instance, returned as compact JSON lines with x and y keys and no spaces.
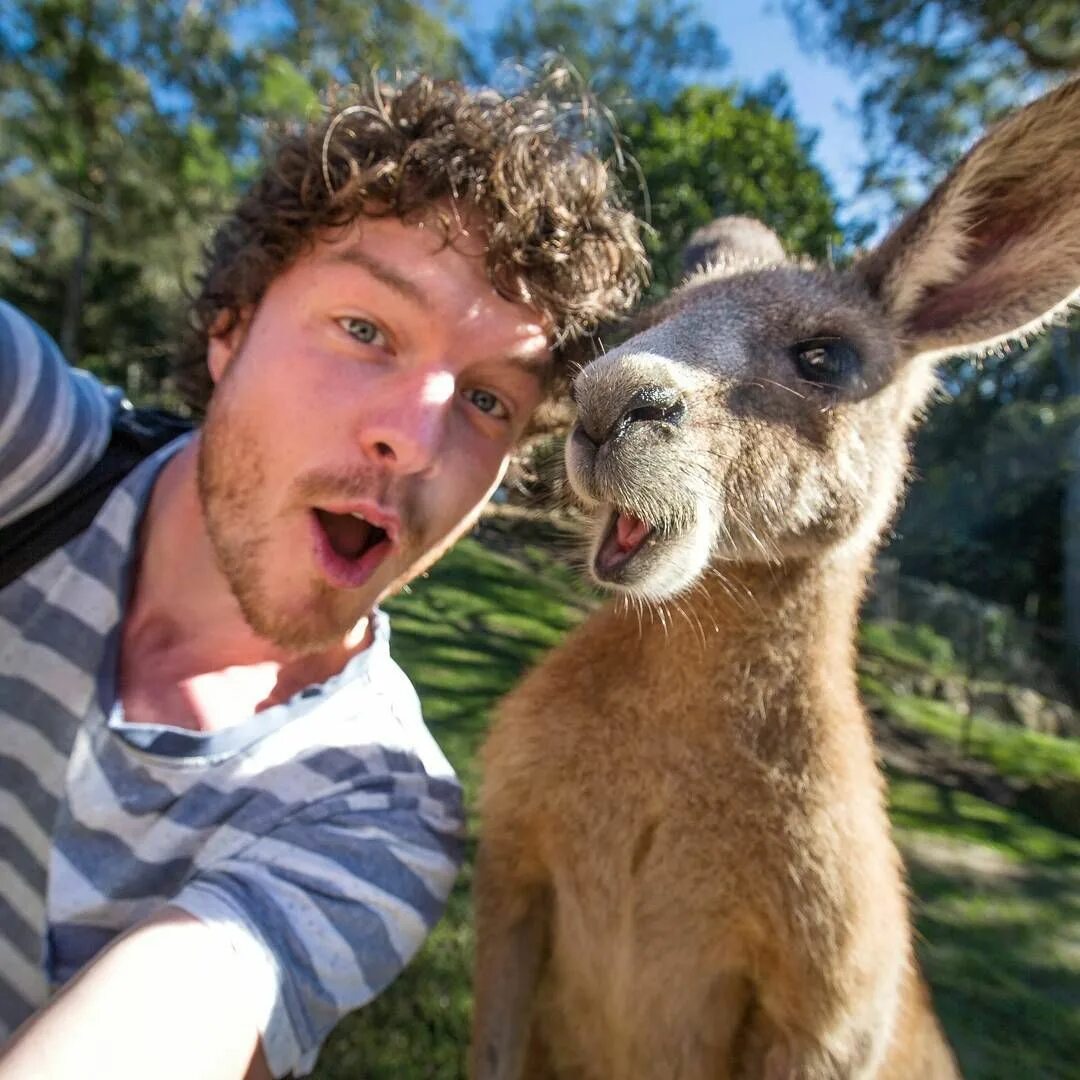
{"x":997,"y":910}
{"x":908,"y":646}
{"x":997,"y":897}
{"x":1012,"y":750}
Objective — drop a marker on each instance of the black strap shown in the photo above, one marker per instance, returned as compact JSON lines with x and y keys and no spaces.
{"x":136,"y":434}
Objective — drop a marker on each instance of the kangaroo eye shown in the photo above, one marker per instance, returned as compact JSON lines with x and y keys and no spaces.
{"x":827,"y":361}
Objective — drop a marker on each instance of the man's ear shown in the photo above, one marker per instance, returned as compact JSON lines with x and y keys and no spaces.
{"x":995,"y":250}
{"x":225,"y":340}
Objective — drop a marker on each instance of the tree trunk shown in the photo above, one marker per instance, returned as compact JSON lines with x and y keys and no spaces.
{"x":1066,"y":346}
{"x":73,"y":294}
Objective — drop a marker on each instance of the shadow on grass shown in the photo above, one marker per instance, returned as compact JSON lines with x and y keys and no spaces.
{"x":997,"y":913}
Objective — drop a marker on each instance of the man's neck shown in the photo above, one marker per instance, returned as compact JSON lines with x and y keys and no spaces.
{"x":188,"y":656}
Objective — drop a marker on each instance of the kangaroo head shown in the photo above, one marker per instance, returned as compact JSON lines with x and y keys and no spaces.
{"x":762,"y":411}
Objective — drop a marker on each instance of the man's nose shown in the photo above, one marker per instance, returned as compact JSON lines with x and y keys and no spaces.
{"x":404,"y":422}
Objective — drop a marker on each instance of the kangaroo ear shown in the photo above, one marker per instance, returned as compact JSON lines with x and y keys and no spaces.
{"x":729,"y":244}
{"x":995,"y":250}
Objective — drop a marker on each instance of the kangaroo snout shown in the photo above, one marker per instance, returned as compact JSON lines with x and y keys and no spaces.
{"x":647,"y":405}
{"x":623,"y":389}
{"x":634,"y":462}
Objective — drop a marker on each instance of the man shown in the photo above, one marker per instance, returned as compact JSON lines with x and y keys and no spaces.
{"x":222,"y":822}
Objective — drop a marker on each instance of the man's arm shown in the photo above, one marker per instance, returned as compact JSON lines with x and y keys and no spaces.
{"x":167,"y":999}
{"x":54,"y":421}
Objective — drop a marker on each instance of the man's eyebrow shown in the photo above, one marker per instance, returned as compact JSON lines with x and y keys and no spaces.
{"x":538,"y":364}
{"x":381,"y":272}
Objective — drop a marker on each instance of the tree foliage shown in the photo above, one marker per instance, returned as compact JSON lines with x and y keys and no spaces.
{"x":643,"y":50}
{"x":341,"y":40}
{"x":986,"y":512}
{"x":937,"y":71}
{"x":119,"y":146}
{"x":720,"y":151}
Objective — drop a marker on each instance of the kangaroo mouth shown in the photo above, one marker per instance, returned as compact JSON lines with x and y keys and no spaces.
{"x":625,"y":536}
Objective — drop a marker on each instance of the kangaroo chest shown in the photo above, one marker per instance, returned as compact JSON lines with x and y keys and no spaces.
{"x":651,"y":844}
{"x":648,"y":856}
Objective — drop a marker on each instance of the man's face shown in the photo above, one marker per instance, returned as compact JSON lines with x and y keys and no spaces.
{"x":362,"y":417}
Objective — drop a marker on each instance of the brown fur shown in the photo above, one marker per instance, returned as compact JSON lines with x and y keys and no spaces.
{"x":686,"y":868}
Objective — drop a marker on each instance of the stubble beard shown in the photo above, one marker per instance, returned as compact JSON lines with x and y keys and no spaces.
{"x":230,"y":475}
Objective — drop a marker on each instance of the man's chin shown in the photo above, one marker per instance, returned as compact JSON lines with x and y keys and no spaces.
{"x":314,"y":628}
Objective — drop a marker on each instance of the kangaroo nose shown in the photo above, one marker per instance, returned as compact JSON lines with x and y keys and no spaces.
{"x":647,"y":404}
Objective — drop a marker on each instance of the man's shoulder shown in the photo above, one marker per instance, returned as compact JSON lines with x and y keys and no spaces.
{"x":54,"y":421}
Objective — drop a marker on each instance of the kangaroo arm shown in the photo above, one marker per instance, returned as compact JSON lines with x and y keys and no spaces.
{"x":831,"y":974}
{"x":813,"y":1025}
{"x":511,"y":929}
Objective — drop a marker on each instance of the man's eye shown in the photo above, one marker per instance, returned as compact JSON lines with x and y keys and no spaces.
{"x":488,"y":403}
{"x":363,"y":330}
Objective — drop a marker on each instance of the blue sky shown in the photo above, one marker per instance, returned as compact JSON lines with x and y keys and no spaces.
{"x":762,"y":40}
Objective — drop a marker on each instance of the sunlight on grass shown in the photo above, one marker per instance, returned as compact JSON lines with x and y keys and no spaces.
{"x":997,"y":910}
{"x":909,"y":646}
{"x":923,"y":807}
{"x":1011,"y":749}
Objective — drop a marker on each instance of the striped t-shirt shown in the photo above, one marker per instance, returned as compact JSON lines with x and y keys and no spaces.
{"x":319,"y":837}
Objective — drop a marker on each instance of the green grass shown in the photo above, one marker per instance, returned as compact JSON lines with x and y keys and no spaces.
{"x":999,"y":940}
{"x":908,"y":646}
{"x":917,"y":807}
{"x":1012,"y":750}
{"x":999,"y":930}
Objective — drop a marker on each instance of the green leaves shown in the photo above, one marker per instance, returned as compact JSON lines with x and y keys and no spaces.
{"x":285,"y":90}
{"x":723,"y":151}
{"x":938,"y":71}
{"x":625,"y":52}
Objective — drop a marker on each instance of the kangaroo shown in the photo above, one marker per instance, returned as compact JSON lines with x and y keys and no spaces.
{"x":686,"y":868}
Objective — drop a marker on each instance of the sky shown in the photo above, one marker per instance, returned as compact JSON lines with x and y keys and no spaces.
{"x":761,"y":40}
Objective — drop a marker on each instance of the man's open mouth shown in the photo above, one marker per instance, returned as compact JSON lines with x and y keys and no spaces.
{"x":626,"y":535}
{"x":348,"y":547}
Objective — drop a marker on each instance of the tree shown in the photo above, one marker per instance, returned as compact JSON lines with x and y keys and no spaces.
{"x":342,"y":40}
{"x":720,"y":151}
{"x":937,"y":71}
{"x":986,"y":514}
{"x":626,"y":52}
{"x":110,"y":157}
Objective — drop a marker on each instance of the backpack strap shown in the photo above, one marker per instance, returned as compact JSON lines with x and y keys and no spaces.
{"x":136,"y":434}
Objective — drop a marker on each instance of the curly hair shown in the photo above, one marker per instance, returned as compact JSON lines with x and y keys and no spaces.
{"x":558,"y":236}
